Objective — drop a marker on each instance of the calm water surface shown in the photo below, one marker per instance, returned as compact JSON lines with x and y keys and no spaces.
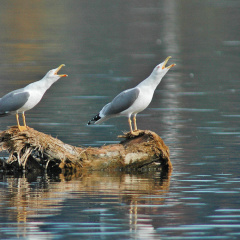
{"x":108,"y":47}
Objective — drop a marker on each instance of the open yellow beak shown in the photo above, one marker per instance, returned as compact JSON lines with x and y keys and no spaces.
{"x":165,"y":62}
{"x":58,"y":69}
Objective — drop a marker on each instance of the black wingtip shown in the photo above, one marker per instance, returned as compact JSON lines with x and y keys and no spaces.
{"x":3,"y":114}
{"x":94,"y":119}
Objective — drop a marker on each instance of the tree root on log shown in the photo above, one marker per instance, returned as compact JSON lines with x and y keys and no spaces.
{"x":35,"y":151}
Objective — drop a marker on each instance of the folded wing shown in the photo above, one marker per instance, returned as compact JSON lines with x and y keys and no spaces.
{"x":121,"y":102}
{"x":13,"y":101}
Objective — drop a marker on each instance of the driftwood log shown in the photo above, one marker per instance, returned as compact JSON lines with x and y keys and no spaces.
{"x":35,"y":151}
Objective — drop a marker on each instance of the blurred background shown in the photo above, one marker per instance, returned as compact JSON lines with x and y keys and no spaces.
{"x":109,"y":46}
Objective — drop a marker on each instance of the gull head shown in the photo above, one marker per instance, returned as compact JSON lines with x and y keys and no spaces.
{"x":160,"y":70}
{"x":53,"y":74}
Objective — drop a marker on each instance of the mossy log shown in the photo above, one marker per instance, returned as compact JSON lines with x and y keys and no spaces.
{"x":33,"y":151}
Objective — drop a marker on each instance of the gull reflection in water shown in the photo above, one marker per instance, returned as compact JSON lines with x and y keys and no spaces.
{"x":73,"y":199}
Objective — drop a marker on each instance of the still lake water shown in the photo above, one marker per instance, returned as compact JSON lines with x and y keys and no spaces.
{"x":109,"y":46}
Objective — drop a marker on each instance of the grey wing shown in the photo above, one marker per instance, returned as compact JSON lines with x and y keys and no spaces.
{"x":121,"y":102}
{"x":13,"y":101}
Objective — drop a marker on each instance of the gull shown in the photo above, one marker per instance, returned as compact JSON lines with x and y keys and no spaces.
{"x":134,"y":100}
{"x":24,"y":99}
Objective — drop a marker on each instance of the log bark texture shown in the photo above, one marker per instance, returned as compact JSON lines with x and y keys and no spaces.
{"x":32,"y":150}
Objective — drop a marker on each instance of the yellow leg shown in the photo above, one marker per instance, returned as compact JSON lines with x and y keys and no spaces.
{"x":18,"y":121}
{"x":135,"y":123}
{"x":21,"y":128}
{"x":24,"y":120}
{"x":130,"y":124}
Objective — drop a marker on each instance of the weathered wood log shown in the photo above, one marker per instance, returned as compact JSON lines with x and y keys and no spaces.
{"x":32,"y":150}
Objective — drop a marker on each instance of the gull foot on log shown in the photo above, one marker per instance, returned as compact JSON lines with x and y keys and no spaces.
{"x":133,"y":134}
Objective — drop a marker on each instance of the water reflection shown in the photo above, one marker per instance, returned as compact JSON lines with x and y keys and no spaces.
{"x":117,"y":205}
{"x":34,"y":201}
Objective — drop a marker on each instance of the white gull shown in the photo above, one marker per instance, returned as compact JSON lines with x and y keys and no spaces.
{"x":134,"y":100}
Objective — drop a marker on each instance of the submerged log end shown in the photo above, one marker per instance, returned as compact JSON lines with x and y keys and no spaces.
{"x":33,"y":150}
{"x":150,"y":145}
